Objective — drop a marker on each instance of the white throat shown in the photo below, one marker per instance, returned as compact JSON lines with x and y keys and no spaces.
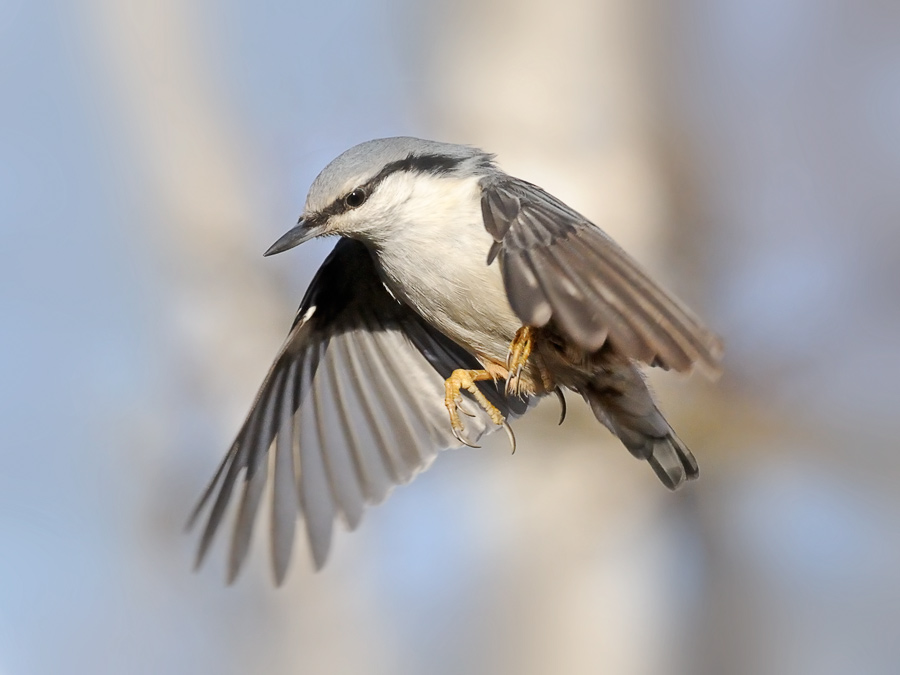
{"x":432,"y":253}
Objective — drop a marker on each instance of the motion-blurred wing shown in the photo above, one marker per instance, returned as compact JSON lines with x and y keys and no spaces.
{"x":353,"y":405}
{"x":559,"y":266}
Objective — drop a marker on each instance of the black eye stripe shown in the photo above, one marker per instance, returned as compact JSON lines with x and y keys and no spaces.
{"x":427,"y":164}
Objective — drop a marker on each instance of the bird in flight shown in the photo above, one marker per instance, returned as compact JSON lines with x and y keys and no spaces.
{"x":455,"y":298}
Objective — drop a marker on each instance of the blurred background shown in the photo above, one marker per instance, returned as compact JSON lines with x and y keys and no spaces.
{"x":747,"y":152}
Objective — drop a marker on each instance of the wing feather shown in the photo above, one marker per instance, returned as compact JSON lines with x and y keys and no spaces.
{"x":316,"y":500}
{"x":345,"y":488}
{"x":284,"y":485}
{"x":664,"y":336}
{"x":254,"y":478}
{"x":353,"y":404}
{"x":371,"y":478}
{"x":558,"y":266}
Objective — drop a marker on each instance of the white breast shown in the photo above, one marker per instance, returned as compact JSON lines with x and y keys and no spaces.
{"x":433,"y":257}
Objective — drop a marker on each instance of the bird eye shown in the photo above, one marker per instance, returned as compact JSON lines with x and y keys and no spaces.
{"x":356,"y":198}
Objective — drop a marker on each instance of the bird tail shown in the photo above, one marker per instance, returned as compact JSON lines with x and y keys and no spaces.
{"x":623,"y":403}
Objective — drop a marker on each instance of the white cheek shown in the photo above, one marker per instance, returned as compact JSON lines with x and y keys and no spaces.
{"x":414,"y":205}
{"x":352,"y":223}
{"x":433,"y":205}
{"x":372,"y":220}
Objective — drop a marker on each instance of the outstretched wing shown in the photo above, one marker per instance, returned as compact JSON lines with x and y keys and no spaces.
{"x":559,"y":266}
{"x":352,"y":406}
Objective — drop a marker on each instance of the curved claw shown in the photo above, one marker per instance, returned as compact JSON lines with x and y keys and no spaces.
{"x":512,"y":382}
{"x":510,"y":435}
{"x":462,"y":439}
{"x":562,"y":404}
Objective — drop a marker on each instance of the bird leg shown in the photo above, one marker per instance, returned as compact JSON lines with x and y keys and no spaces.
{"x":466,"y":379}
{"x":517,"y":357}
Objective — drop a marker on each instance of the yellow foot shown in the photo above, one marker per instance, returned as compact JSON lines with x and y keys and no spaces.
{"x":517,"y":357}
{"x":466,"y":379}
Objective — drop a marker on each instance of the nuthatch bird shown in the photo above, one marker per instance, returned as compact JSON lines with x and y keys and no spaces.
{"x":453,"y":288}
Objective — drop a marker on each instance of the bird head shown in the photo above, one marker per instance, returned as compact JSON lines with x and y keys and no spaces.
{"x":366,"y":189}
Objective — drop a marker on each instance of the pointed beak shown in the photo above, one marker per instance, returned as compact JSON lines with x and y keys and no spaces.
{"x":302,"y":232}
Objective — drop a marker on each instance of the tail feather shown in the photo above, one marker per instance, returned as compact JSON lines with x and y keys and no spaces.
{"x":621,"y":400}
{"x":672,"y":462}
